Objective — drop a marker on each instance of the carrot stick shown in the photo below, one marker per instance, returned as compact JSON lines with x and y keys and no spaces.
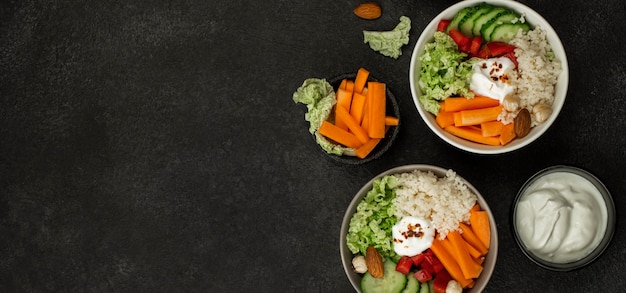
{"x":472,"y":134}
{"x":475,"y":207}
{"x":356,"y":109}
{"x":350,"y":85}
{"x":343,"y":115}
{"x":360,"y":80}
{"x":477,"y":116}
{"x":344,"y":99}
{"x":453,"y":104}
{"x":479,"y":221}
{"x":366,"y":113}
{"x":472,"y":239}
{"x":339,"y":135}
{"x":444,"y":119}
{"x":367,"y":148}
{"x":391,"y":121}
{"x":472,"y":251}
{"x":491,"y":128}
{"x":377,"y":109}
{"x":449,"y":262}
{"x":508,"y":134}
{"x":442,"y":106}
{"x":343,"y":83}
{"x":469,"y":268}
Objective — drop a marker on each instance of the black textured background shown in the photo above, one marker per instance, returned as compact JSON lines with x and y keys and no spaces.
{"x":153,"y":146}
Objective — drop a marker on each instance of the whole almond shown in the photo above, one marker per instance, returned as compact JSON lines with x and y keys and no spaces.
{"x":522,"y":123}
{"x":374,"y":262}
{"x":368,"y":10}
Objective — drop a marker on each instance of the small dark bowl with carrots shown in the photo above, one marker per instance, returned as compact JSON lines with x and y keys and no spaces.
{"x":354,"y":125}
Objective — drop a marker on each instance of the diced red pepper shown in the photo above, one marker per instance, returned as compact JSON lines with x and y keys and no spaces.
{"x":441,"y":281}
{"x":443,"y":25}
{"x":483,"y":52}
{"x":511,"y":55}
{"x":499,"y":48}
{"x":437,"y":265}
{"x":404,"y":265}
{"x":418,"y":259}
{"x":423,"y":276}
{"x":460,"y":39}
{"x":477,"y":41}
{"x":427,"y":265}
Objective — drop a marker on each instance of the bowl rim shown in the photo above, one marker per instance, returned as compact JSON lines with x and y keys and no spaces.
{"x":346,"y":254}
{"x":610,"y":225}
{"x":561,"y":89}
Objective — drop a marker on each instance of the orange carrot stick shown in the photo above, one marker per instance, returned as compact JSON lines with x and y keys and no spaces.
{"x":444,"y":119}
{"x":343,"y":83}
{"x":367,"y":148}
{"x":479,"y":221}
{"x":472,"y":251}
{"x":350,"y":85}
{"x":343,"y":115}
{"x":453,"y":104}
{"x":472,"y":135}
{"x":357,"y":107}
{"x":339,"y":135}
{"x":344,"y":99}
{"x":491,"y":128}
{"x":472,"y":239}
{"x":508,"y":134}
{"x":477,"y":116}
{"x":391,"y":121}
{"x":377,"y":109}
{"x":449,"y":262}
{"x":360,"y":80}
{"x":469,"y":268}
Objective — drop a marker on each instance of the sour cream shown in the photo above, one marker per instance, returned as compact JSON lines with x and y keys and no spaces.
{"x":412,"y":236}
{"x":561,"y":217}
{"x":493,"y":78}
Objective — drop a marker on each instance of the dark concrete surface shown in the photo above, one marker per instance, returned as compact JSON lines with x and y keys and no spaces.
{"x":153,"y":146}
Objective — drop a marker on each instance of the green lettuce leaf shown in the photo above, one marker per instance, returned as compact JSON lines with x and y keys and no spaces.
{"x":444,"y":72}
{"x":389,"y":43}
{"x":374,"y":217}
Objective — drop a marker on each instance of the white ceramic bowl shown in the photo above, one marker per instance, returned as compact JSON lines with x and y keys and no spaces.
{"x":534,"y":19}
{"x":346,"y":255}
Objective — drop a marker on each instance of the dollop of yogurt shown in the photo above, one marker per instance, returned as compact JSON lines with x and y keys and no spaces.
{"x":494,"y":78}
{"x":412,"y":236}
{"x":561,"y":217}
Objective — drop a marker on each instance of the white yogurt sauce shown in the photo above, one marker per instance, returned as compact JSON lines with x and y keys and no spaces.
{"x":493,"y":78}
{"x":412,"y":235}
{"x":561,"y":217}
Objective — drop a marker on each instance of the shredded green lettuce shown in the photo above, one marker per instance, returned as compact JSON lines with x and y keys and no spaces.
{"x":389,"y":43}
{"x":319,"y":97}
{"x":444,"y":72}
{"x":374,"y":217}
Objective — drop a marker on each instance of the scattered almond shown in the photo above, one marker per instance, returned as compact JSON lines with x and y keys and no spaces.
{"x":368,"y":10}
{"x":522,"y":123}
{"x":374,"y":262}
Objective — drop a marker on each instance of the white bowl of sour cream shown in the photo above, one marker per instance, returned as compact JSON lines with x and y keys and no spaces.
{"x":535,"y":20}
{"x":563,"y":218}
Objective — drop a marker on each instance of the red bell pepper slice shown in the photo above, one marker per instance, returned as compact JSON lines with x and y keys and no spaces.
{"x":423,"y":276}
{"x":499,"y":48}
{"x":511,"y":55}
{"x":441,"y":281}
{"x":418,"y":259}
{"x":477,"y":41}
{"x":483,"y":52}
{"x":443,"y":25}
{"x":461,"y":40}
{"x":404,"y":265}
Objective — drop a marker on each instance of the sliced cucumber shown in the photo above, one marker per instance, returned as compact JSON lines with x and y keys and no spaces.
{"x":412,"y":284}
{"x":454,"y":24}
{"x":424,"y":288}
{"x":506,"y":31}
{"x":485,"y":18}
{"x":492,"y":24}
{"x":391,"y":282}
{"x":466,"y":25}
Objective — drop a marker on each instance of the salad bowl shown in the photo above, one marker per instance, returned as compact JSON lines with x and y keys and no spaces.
{"x":347,"y":256}
{"x":533,"y":19}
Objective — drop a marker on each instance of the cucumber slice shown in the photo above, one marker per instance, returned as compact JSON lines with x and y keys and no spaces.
{"x":485,"y":18}
{"x":391,"y":282}
{"x":424,"y":288}
{"x":466,"y":25}
{"x":454,"y":24}
{"x":412,"y":284}
{"x":491,"y":25}
{"x":506,"y":31}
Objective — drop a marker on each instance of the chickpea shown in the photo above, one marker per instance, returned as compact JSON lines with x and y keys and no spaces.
{"x":541,"y":112}
{"x":511,"y":103}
